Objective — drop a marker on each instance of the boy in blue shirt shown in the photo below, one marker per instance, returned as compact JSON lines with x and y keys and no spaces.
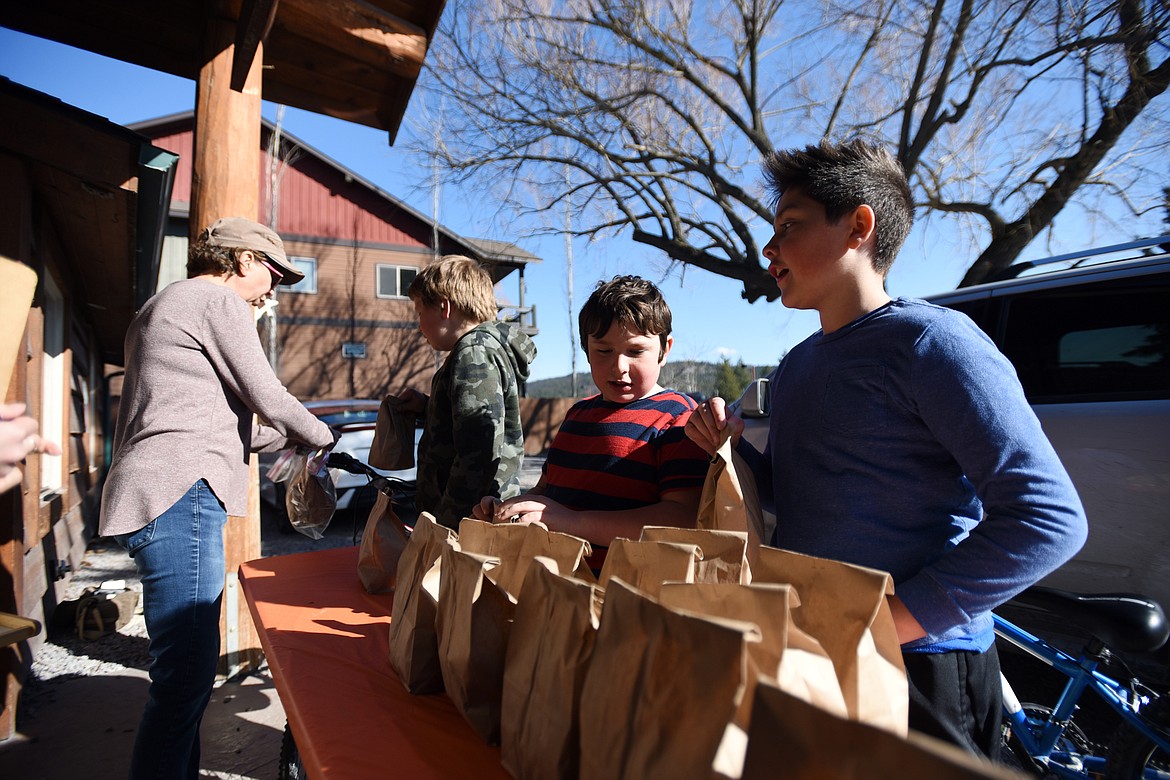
{"x":900,"y":438}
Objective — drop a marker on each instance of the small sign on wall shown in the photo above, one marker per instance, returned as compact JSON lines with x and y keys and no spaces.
{"x":353,"y":350}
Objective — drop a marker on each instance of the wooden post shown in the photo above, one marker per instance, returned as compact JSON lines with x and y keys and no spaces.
{"x":226,"y":183}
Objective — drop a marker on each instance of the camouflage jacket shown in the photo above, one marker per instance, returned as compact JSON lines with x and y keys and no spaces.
{"x":473,"y":445}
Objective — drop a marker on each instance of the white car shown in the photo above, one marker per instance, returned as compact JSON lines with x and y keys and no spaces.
{"x":354,"y":419}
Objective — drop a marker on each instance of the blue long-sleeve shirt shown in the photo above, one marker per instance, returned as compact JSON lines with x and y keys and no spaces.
{"x":903,"y":442}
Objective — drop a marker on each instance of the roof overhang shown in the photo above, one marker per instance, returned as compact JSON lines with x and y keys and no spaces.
{"x":356,"y":60}
{"x":105,"y":190}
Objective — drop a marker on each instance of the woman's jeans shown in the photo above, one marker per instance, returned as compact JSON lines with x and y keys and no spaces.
{"x":180,"y":558}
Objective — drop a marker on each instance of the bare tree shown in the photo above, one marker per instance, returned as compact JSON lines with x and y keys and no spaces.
{"x":1003,"y":112}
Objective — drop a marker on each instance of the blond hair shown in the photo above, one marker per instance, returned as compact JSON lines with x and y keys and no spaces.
{"x":460,"y":280}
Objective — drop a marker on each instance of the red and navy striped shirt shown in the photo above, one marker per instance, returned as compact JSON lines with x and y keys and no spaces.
{"x":609,"y":456}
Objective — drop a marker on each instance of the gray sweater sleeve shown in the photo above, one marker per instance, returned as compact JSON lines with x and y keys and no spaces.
{"x":244,"y":370}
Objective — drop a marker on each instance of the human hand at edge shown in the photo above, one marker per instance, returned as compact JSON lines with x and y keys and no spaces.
{"x":18,"y":438}
{"x":707,"y":424}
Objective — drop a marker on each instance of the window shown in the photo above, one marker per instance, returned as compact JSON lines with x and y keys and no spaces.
{"x":307,"y":266}
{"x":53,"y":387}
{"x":394,"y":280}
{"x":1107,"y":342}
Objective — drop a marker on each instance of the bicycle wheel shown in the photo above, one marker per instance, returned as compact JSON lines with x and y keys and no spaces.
{"x":1132,"y":755}
{"x":290,"y":767}
{"x":1012,"y":753}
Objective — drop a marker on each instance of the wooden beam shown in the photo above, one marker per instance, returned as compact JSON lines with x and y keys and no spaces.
{"x":256,"y":17}
{"x":359,"y":30}
{"x":226,"y":183}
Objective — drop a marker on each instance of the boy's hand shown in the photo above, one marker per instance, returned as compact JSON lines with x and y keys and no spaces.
{"x":485,"y":510}
{"x":530,"y":508}
{"x":707,"y":423}
{"x":905,"y":624}
{"x":411,"y":400}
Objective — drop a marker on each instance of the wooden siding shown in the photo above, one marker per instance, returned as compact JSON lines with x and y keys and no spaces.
{"x":311,"y":329}
{"x":316,"y":201}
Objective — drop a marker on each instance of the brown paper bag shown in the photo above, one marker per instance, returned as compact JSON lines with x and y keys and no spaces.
{"x":730,"y":500}
{"x":18,"y":282}
{"x":646,"y":565}
{"x":393,"y":446}
{"x":660,"y":690}
{"x":793,"y":739}
{"x":473,"y":621}
{"x":785,"y":654}
{"x":383,"y":541}
{"x":552,"y":638}
{"x":724,"y":552}
{"x":845,"y":608}
{"x":414,"y":646}
{"x":516,"y":545}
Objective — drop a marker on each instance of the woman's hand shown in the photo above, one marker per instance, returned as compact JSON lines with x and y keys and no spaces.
{"x":707,"y":424}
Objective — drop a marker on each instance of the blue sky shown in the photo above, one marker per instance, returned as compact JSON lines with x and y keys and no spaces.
{"x":711,"y":319}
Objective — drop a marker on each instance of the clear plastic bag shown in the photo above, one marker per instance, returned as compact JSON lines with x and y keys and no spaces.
{"x":310,"y":499}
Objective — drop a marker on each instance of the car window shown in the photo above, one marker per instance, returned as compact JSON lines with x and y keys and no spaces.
{"x":1098,"y":342}
{"x":350,"y":416}
{"x":978,"y":310}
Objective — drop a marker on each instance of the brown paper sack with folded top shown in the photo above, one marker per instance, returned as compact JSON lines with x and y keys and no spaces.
{"x":661,"y":687}
{"x":646,"y":565}
{"x":383,"y":541}
{"x":18,"y":282}
{"x":414,"y":646}
{"x":724,"y":552}
{"x":517,"y":544}
{"x":786,"y":655}
{"x":730,"y":500}
{"x":548,"y":654}
{"x":473,"y":622}
{"x":796,"y":740}
{"x":393,"y":446}
{"x":475,"y":608}
{"x":846,"y":609}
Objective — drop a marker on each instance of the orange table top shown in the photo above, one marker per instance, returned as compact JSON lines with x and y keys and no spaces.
{"x":326,"y":641}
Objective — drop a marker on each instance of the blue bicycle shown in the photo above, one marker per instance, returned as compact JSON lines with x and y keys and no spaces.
{"x":1044,"y":740}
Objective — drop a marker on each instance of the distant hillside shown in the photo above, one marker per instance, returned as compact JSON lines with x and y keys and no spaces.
{"x":689,"y":376}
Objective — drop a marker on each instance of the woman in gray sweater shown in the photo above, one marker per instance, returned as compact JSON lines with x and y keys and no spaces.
{"x":195,"y":374}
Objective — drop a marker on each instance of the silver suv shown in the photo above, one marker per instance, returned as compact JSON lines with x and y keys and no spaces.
{"x":1091,"y":345}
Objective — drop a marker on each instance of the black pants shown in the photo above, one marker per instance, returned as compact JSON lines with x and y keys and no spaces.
{"x":957,"y":697}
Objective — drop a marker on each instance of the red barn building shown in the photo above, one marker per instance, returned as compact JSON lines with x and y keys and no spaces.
{"x":348,"y":330}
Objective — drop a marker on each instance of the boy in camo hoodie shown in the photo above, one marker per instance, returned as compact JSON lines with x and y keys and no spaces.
{"x":472,"y":445}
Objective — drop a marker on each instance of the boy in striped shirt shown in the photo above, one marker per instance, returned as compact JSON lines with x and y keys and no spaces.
{"x":621,"y":459}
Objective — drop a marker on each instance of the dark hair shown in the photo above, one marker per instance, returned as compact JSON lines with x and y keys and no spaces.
{"x":633,"y":302}
{"x":205,"y":258}
{"x":842,"y":177}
